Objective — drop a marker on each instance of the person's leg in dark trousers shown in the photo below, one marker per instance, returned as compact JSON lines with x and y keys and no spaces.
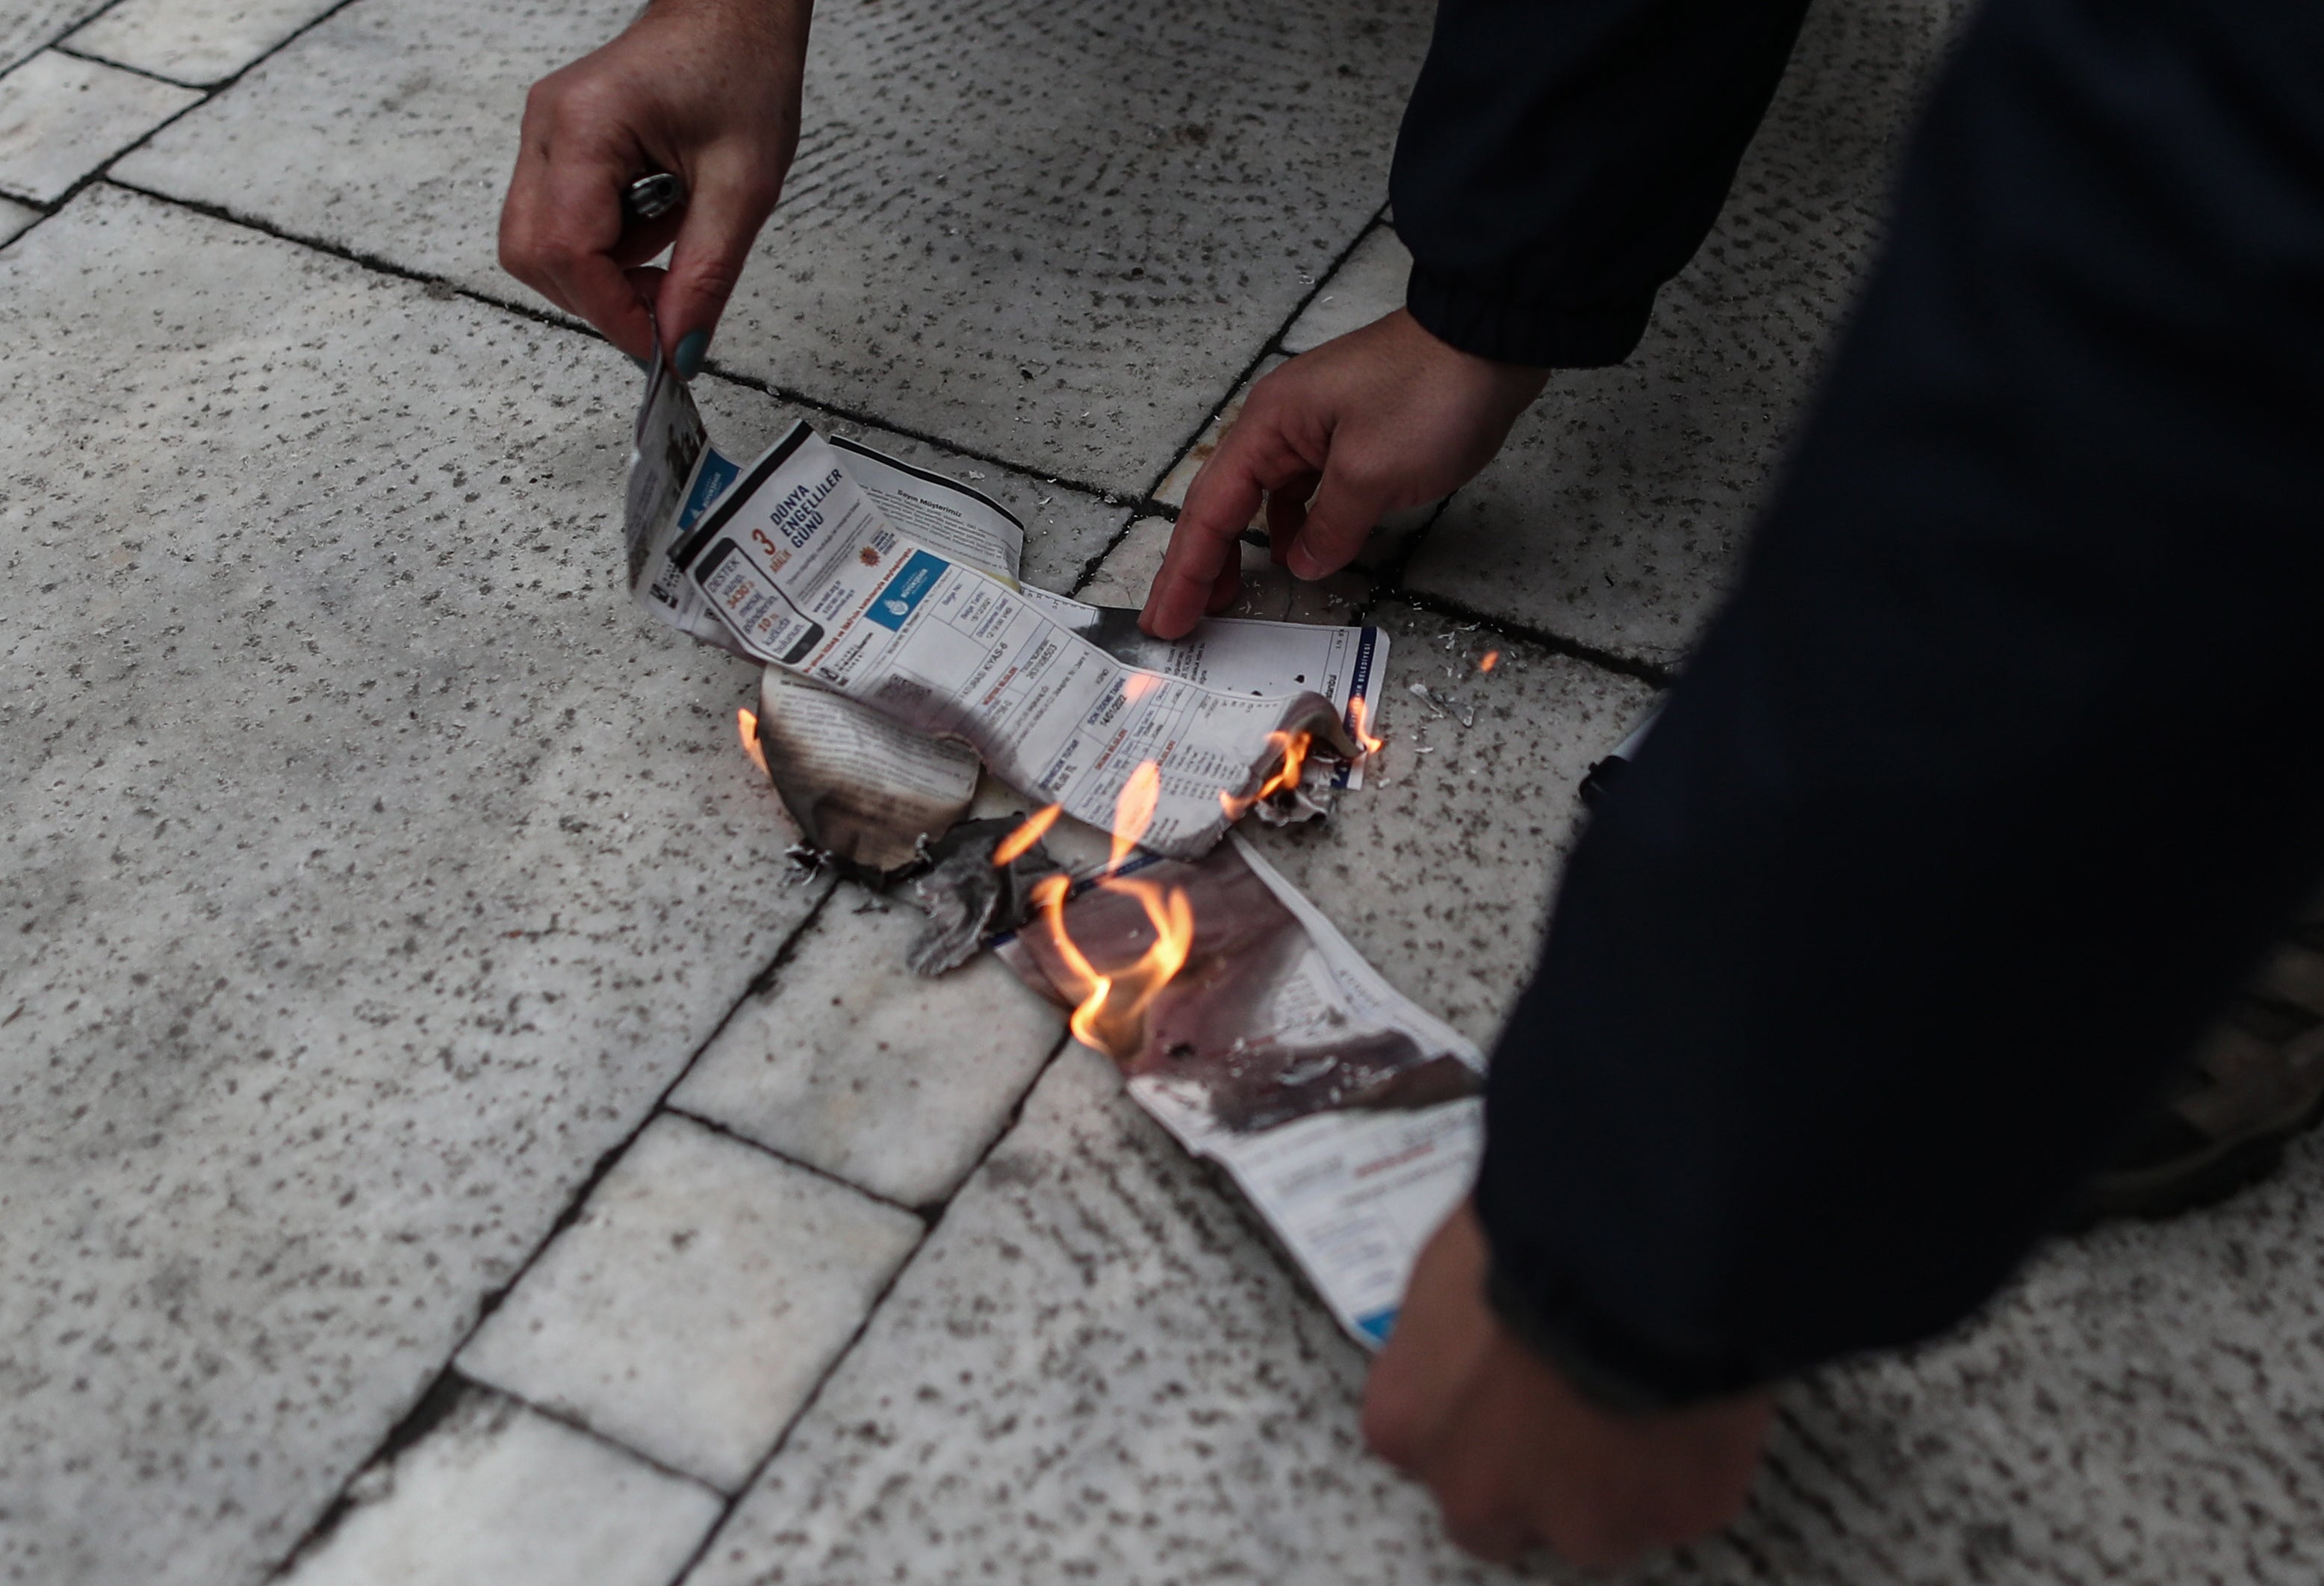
{"x":2003,"y":760}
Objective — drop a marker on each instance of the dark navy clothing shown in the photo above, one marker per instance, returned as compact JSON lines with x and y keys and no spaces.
{"x":2007,"y":755}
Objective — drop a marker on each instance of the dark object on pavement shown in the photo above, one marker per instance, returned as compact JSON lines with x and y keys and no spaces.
{"x":2256,"y":1081}
{"x":967,"y":898}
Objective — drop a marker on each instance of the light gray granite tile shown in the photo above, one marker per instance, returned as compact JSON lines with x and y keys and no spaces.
{"x":368,"y":864}
{"x":498,"y":1495}
{"x":62,"y":117}
{"x":1439,"y":869}
{"x":1053,"y":236}
{"x":1367,"y":286}
{"x":852,"y":1063}
{"x":15,"y":220}
{"x":1098,"y":1370}
{"x":702,"y":1293}
{"x":1065,"y":528}
{"x":194,"y":40}
{"x":1095,"y":1372}
{"x":1616,"y":512}
{"x":27,"y":25}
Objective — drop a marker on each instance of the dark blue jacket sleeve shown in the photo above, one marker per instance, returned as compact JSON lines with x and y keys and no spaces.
{"x":1562,"y":159}
{"x":2003,"y":761}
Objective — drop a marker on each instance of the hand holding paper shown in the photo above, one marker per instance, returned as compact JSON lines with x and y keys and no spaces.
{"x":706,"y":89}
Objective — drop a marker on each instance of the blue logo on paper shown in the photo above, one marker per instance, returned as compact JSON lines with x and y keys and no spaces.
{"x":709,"y":484}
{"x":1378,"y":1325}
{"x":904,"y":591}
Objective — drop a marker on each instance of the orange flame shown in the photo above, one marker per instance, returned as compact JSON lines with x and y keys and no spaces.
{"x":748,"y":726}
{"x":1492,"y":659}
{"x":1358,"y":709}
{"x":1133,"y":811}
{"x":1011,"y":848}
{"x":1111,"y":1012}
{"x":1293,"y":747}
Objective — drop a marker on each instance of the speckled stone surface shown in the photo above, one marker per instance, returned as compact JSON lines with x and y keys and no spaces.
{"x":852,"y":1064}
{"x":194,"y":40}
{"x":1369,"y":284}
{"x":1616,"y":512}
{"x":26,"y":25}
{"x":497,"y":1495}
{"x":62,"y":117}
{"x":368,"y":866}
{"x":1439,"y":869}
{"x":1096,"y":1371}
{"x":1051,"y":235}
{"x":14,"y":219}
{"x":696,"y":1302}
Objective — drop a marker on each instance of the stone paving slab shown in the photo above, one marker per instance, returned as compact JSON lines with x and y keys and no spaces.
{"x":1439,"y":869}
{"x":1615,"y":515}
{"x":853,"y":1064}
{"x":201,"y":42}
{"x":62,"y":117}
{"x":1095,"y":1369}
{"x":700,"y":1296}
{"x":368,"y":866}
{"x":498,"y":1495}
{"x":1367,"y":285}
{"x":14,"y":219}
{"x":26,"y":25}
{"x":1051,"y":237}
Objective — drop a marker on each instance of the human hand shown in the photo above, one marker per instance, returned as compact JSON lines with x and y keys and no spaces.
{"x":1515,"y":1458}
{"x":1381,"y":418}
{"x":706,"y":89}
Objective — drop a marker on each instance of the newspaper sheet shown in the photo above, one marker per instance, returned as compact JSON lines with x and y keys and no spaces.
{"x":895,"y":588}
{"x":1347,"y":1115}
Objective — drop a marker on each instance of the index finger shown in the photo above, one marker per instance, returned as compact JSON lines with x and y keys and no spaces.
{"x":1206,"y":541}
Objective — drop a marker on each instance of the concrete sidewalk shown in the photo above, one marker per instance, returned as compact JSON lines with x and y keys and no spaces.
{"x":445,"y":1145}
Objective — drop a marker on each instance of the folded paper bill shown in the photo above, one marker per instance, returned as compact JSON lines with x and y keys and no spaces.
{"x":895,"y":589}
{"x":1347,"y":1115}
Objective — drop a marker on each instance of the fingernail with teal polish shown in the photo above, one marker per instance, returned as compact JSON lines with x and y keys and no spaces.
{"x":687,"y":358}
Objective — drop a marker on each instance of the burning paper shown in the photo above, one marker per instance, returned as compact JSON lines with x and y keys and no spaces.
{"x":832,"y":563}
{"x":1251,"y":1029}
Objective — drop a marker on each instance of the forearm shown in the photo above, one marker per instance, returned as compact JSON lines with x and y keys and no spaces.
{"x":1559,"y":162}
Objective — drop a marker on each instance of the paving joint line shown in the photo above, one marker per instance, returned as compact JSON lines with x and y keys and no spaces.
{"x":806,"y":1405}
{"x":1654,"y":675}
{"x":68,"y":50}
{"x":1139,"y":506}
{"x":1105,"y":494}
{"x":402,"y":1435}
{"x":1150,"y":507}
{"x":103,"y":172}
{"x":565,"y":1419}
{"x":68,"y":30}
{"x":673,"y":1110}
